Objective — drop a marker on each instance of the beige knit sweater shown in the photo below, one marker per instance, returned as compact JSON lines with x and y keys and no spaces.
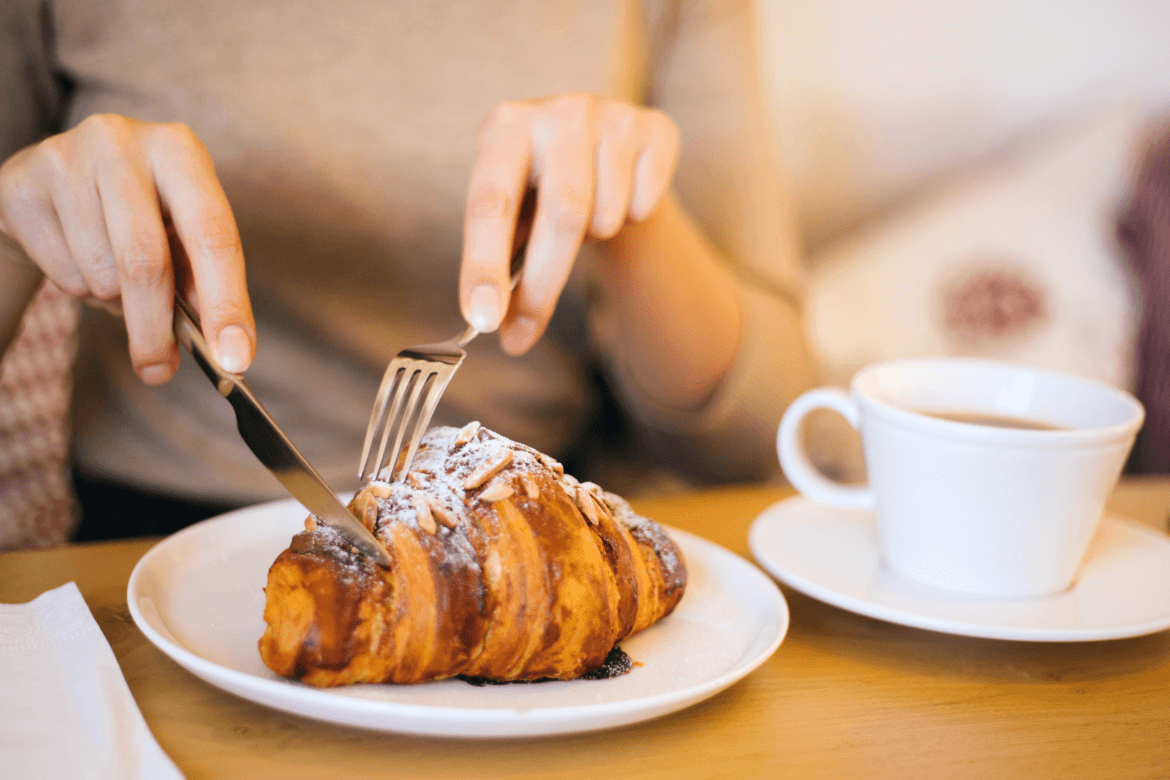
{"x":343,"y":134}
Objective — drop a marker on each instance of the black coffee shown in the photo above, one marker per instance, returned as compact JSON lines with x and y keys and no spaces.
{"x":996,"y":421}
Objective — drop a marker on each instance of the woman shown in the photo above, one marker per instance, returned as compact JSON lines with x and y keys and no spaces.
{"x":332,"y":147}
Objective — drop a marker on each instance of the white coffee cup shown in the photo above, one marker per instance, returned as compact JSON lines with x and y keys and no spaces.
{"x":977,"y":508}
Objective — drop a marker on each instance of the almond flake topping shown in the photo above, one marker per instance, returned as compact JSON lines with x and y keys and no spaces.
{"x":467,"y":433}
{"x":530,"y":487}
{"x":552,"y":464}
{"x":423,"y":508}
{"x":441,"y":514}
{"x":379,"y":489}
{"x":413,"y":480}
{"x":487,"y":470}
{"x":602,"y":509}
{"x":497,"y":492}
{"x":586,"y":505}
{"x":310,"y":523}
{"x":367,"y":510}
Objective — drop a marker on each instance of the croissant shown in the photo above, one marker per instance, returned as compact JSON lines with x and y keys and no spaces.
{"x":503,"y":567}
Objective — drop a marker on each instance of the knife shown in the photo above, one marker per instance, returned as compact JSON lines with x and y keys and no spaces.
{"x":270,"y":444}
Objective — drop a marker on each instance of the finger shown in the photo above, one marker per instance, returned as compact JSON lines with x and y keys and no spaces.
{"x":79,"y":209}
{"x":499,"y":179}
{"x":656,"y":164}
{"x":203,"y":220}
{"x":184,"y":281}
{"x":31,"y":220}
{"x":617,"y":153}
{"x":138,"y":242}
{"x":564,"y":207}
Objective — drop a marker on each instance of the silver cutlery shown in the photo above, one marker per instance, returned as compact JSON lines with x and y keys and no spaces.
{"x":270,"y":444}
{"x":416,"y":379}
{"x":407,"y":397}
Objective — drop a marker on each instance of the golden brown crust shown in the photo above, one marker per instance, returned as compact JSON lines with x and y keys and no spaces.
{"x":503,"y":567}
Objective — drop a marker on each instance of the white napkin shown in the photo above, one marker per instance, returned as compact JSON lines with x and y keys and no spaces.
{"x":65,"y":709}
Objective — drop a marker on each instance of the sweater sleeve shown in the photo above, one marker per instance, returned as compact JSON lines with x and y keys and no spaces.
{"x":30,"y":93}
{"x":30,"y":103}
{"x":704,"y":73}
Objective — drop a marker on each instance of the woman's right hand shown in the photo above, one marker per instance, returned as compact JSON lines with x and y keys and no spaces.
{"x":117,"y":212}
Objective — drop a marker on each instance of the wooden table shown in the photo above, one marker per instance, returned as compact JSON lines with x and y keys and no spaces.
{"x":843,"y":697}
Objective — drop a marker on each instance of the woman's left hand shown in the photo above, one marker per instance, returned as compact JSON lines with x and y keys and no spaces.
{"x":595,"y":164}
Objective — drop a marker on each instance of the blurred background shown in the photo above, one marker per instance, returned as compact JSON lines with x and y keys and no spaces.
{"x":958,"y":169}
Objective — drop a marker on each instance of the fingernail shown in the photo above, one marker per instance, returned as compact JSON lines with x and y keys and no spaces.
{"x":155,"y":373}
{"x":485,"y":308}
{"x":519,"y":336}
{"x":235,"y":348}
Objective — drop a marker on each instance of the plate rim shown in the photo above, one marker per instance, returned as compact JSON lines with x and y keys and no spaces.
{"x":436,"y":720}
{"x":902,"y":616}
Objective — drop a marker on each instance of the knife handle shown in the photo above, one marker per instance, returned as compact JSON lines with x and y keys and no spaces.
{"x":189,"y":332}
{"x":263,"y":436}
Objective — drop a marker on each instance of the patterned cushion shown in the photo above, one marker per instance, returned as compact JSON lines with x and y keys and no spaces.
{"x":36,"y":505}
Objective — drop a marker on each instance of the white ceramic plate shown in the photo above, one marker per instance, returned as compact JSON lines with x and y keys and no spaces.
{"x":831,"y":554}
{"x":197,"y":596}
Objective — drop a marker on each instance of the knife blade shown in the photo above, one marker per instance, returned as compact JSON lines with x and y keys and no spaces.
{"x":271,"y":445}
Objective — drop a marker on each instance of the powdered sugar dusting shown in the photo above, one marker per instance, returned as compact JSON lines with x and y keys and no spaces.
{"x":397,"y":506}
{"x":353,"y":566}
{"x":447,"y":457}
{"x":444,"y":463}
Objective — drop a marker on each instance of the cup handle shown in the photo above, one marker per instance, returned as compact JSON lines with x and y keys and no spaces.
{"x":799,"y":470}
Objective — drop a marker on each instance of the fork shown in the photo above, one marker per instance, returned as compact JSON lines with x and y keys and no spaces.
{"x":417,"y":377}
{"x":408,"y":395}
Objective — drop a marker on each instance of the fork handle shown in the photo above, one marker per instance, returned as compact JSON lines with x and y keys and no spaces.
{"x":466,"y":336}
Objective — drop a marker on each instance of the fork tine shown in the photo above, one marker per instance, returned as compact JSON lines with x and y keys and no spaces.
{"x":426,"y":368}
{"x":418,"y":380}
{"x":378,"y":418}
{"x":438,"y":385}
{"x":392,"y":402}
{"x":391,"y":423}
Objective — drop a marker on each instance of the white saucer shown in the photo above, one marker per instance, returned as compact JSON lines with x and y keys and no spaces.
{"x":1122,"y":589}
